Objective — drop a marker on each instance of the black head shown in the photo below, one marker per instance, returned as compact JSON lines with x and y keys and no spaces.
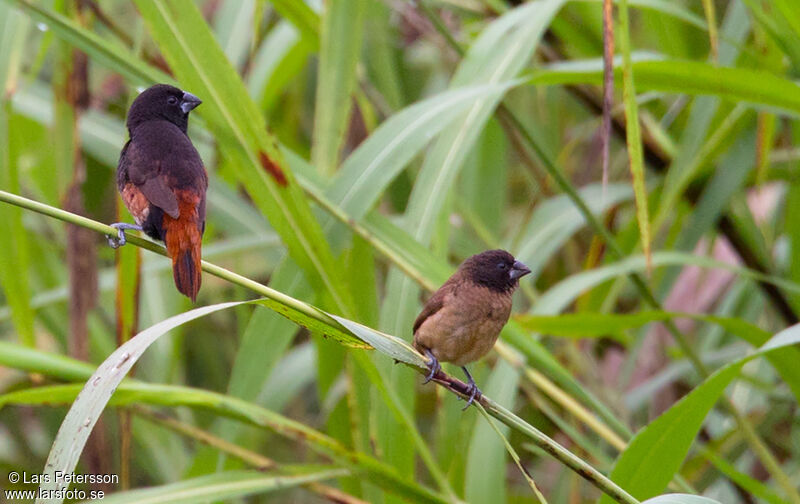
{"x":495,"y":269}
{"x":162,"y":102}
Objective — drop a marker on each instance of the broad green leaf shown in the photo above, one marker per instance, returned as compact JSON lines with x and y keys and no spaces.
{"x":224,"y":485}
{"x":340,"y":47}
{"x":387,"y":344}
{"x":580,"y":325}
{"x":14,"y":249}
{"x":687,"y":77}
{"x":499,"y":54}
{"x":85,"y":411}
{"x":279,"y":59}
{"x":562,"y":294}
{"x":367,"y":172}
{"x":383,"y":59}
{"x":655,"y":454}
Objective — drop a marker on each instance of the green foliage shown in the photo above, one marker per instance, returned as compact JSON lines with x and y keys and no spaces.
{"x":357,"y":152}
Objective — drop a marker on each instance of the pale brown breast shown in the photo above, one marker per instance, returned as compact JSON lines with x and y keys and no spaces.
{"x":467,"y":325}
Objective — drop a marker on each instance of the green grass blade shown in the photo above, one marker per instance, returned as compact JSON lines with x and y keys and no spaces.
{"x":747,"y":482}
{"x":14,"y":249}
{"x":781,"y":29}
{"x":755,"y":87}
{"x":513,"y":453}
{"x":556,"y":219}
{"x":379,"y":159}
{"x":498,"y":55}
{"x":85,"y":411}
{"x":107,"y":52}
{"x":302,"y":17}
{"x":340,"y":48}
{"x":233,"y":27}
{"x":634,"y":135}
{"x":279,"y":59}
{"x":583,"y":325}
{"x":668,"y":8}
{"x":565,"y":292}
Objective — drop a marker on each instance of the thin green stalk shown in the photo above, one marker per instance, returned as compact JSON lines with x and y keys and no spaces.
{"x":566,"y":401}
{"x":511,"y":451}
{"x":251,"y":458}
{"x":456,"y":386}
{"x":711,"y":21}
{"x":634,"y":136}
{"x":572,"y":461}
{"x":404,"y":418}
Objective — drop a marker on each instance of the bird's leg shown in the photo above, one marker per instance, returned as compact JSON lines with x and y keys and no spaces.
{"x":433,"y":366}
{"x":120,"y":239}
{"x":472,"y":388}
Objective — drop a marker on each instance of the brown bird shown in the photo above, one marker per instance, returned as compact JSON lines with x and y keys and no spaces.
{"x":461,"y":321}
{"x":163,"y":182}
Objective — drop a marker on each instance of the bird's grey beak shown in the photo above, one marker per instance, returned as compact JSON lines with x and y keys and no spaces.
{"x":189,"y":102}
{"x":518,"y":270}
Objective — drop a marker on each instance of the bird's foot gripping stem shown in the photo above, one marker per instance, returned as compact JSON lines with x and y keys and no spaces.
{"x":120,"y":240}
{"x":472,"y":389}
{"x":433,"y":366}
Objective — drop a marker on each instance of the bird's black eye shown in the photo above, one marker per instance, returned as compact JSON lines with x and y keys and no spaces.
{"x":502,"y":266}
{"x":172,"y":100}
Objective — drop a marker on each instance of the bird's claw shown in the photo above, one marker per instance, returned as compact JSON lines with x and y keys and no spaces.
{"x":433,"y":366}
{"x":474,"y":393}
{"x":472,"y":389}
{"x":120,"y":239}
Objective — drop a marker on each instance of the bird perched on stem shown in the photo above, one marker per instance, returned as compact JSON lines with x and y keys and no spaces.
{"x":461,"y":321}
{"x":163,"y":182}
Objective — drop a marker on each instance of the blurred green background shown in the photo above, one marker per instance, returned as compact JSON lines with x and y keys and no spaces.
{"x":411,"y":135}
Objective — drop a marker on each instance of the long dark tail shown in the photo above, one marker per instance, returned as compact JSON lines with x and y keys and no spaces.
{"x":183,"y":239}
